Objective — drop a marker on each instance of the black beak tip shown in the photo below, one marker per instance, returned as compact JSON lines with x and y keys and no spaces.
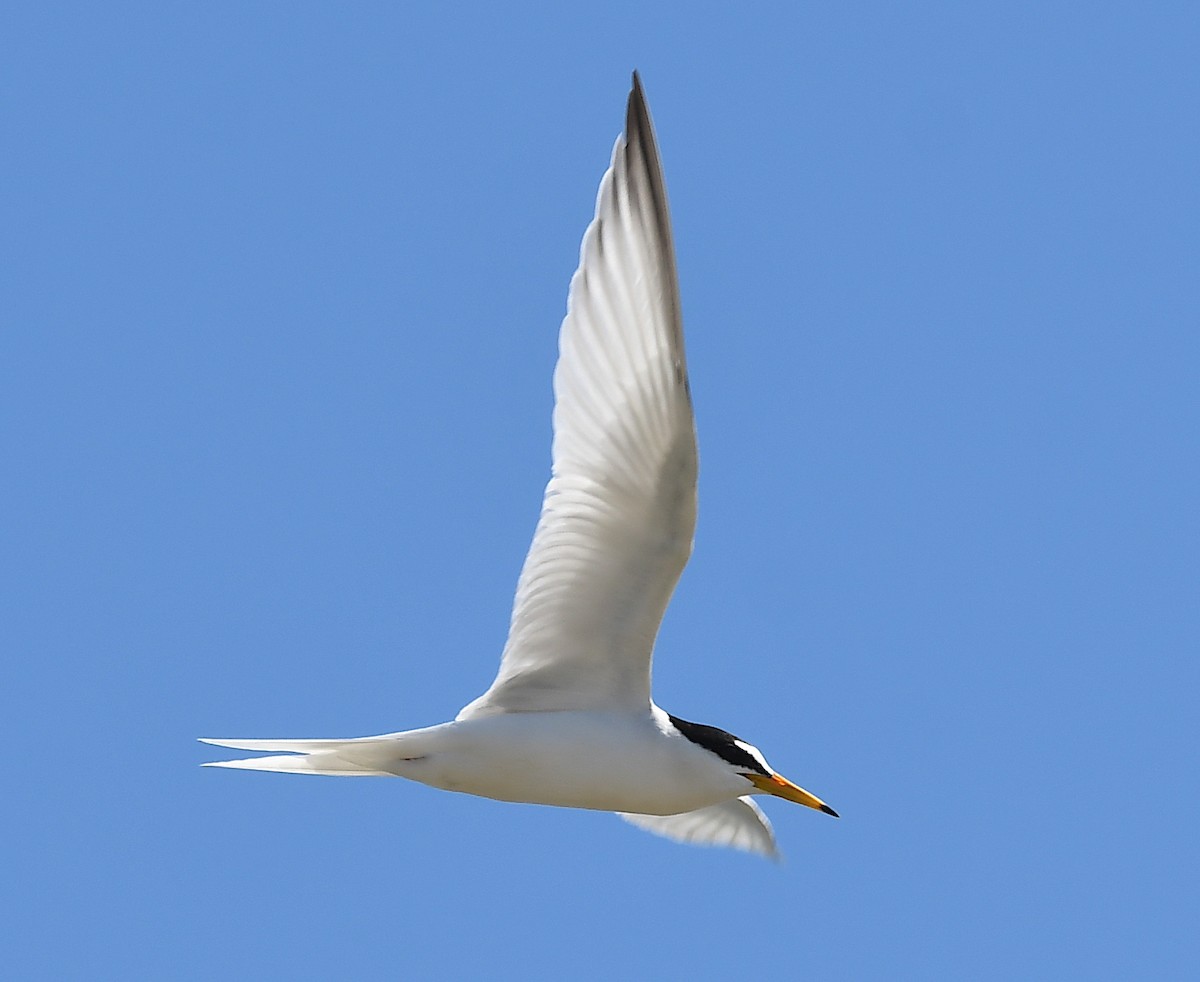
{"x":829,"y":811}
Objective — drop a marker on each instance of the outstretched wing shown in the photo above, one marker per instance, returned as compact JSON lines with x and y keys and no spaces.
{"x":620,"y":509}
{"x":739,"y":824}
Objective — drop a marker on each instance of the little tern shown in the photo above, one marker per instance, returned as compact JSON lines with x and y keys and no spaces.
{"x":569,"y":719}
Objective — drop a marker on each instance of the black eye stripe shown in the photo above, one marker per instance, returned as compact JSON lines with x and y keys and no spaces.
{"x":717,"y":741}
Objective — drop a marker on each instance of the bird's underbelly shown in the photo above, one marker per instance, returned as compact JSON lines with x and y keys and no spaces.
{"x":574,"y":760}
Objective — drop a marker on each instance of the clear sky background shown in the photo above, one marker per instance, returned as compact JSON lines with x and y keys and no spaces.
{"x":281,"y":293}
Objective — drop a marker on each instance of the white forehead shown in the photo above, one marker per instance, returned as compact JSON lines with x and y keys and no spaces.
{"x":755,"y":753}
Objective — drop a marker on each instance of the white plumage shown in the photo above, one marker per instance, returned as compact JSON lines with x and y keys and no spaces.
{"x":739,"y":824}
{"x":569,"y":719}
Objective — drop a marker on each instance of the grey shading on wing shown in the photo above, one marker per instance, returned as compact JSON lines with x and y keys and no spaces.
{"x":619,"y":512}
{"x":739,"y":824}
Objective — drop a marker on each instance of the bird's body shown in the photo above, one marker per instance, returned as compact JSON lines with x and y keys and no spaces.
{"x":570,"y":759}
{"x":569,"y":720}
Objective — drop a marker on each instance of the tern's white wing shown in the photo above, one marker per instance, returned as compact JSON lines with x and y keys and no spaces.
{"x":739,"y":824}
{"x":620,"y":509}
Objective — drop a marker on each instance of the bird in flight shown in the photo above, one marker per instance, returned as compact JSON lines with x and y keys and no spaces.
{"x":569,"y":719}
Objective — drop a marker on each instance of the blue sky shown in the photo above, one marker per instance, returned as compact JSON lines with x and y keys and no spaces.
{"x":282,"y":285}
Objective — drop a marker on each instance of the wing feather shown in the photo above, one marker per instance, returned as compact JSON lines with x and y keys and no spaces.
{"x":619,"y":512}
{"x":739,"y":824}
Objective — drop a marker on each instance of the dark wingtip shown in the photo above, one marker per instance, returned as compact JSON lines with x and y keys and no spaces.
{"x":637,"y":115}
{"x":829,"y":811}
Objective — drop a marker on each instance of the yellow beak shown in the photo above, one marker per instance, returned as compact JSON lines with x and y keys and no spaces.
{"x":781,"y":787}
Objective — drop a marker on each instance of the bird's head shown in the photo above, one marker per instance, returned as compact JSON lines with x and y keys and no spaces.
{"x":748,"y":762}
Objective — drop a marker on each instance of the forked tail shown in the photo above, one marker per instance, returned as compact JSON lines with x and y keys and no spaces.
{"x":308,"y":756}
